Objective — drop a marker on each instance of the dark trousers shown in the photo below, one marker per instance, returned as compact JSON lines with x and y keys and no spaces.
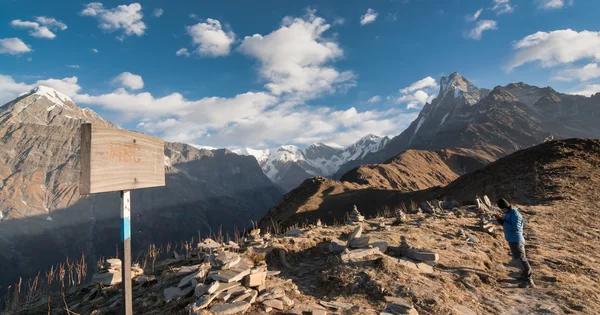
{"x":518,"y":253}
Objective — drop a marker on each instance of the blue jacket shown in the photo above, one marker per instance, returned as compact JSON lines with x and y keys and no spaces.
{"x":513,"y":226}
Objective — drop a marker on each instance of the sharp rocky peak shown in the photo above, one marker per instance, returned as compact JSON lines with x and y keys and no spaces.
{"x":455,"y":82}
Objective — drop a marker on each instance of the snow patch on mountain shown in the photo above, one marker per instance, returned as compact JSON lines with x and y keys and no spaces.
{"x":318,"y":159}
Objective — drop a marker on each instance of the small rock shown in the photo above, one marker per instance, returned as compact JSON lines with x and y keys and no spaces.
{"x":383,"y":246}
{"x":230,"y":308}
{"x":213,"y":287}
{"x":336,"y":305}
{"x":223,"y":296}
{"x":200,"y":290}
{"x":172,"y":292}
{"x":188,"y":279}
{"x":255,"y":279}
{"x":273,"y":293}
{"x":336,"y":246}
{"x":274,"y":303}
{"x":356,"y":233}
{"x":294,"y":232}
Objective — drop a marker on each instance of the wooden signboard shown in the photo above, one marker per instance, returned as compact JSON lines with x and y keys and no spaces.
{"x":113,"y":159}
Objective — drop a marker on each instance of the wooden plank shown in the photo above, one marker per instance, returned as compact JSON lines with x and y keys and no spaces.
{"x":113,"y":159}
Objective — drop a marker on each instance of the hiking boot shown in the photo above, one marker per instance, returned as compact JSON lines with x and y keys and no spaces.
{"x":527,"y":283}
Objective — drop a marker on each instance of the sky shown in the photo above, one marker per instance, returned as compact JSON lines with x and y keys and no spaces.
{"x":265,"y":73}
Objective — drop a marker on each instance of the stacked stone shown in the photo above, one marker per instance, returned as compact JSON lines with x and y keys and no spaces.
{"x":109,"y":272}
{"x":486,"y":225}
{"x":355,"y":216}
{"x":254,"y":238}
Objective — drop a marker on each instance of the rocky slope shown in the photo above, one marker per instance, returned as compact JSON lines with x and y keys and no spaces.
{"x":442,"y":262}
{"x":418,"y":169}
{"x":497,"y":122}
{"x":288,"y":165}
{"x":44,"y":219}
{"x":549,"y":171}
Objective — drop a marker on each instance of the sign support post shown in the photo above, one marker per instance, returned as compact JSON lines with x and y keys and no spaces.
{"x":112,"y":160}
{"x":126,"y":252}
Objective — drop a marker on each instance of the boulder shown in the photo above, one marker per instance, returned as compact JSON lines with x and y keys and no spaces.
{"x":359,"y":242}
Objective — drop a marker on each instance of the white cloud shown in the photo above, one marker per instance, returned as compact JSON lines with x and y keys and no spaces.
{"x":9,"y":89}
{"x":248,"y":119}
{"x":374,"y":99}
{"x":480,"y":27}
{"x":211,"y":39}
{"x":158,"y":12}
{"x":556,"y":47}
{"x":586,"y":73}
{"x":182,"y":52}
{"x":588,"y":90}
{"x":127,"y":18}
{"x":418,"y":93}
{"x":368,"y":17}
{"x":427,"y":82}
{"x":294,"y":58}
{"x":339,"y":21}
{"x":51,"y":23}
{"x":94,"y":50}
{"x":13,"y":46}
{"x":474,"y":16}
{"x":502,"y":6}
{"x":42,"y":28}
{"x":129,"y":80}
{"x":73,"y":66}
{"x":551,"y":4}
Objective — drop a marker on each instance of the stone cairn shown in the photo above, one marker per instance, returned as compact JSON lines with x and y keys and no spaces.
{"x":355,"y":216}
{"x":226,"y":283}
{"x":109,"y":272}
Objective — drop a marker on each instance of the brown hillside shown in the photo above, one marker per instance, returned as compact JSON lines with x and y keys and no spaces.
{"x":419,"y":169}
{"x":557,"y":170}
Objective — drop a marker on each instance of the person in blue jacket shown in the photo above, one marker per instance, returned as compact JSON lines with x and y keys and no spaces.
{"x":513,"y":233}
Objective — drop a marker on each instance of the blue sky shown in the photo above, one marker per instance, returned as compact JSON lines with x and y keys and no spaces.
{"x":330,"y":71}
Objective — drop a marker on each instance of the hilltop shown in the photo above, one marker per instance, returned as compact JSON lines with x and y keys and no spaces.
{"x":414,"y":259}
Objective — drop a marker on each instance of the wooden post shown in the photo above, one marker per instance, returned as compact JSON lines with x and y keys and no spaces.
{"x":127,"y":303}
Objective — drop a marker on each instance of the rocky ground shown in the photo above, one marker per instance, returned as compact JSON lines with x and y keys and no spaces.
{"x":436,"y":261}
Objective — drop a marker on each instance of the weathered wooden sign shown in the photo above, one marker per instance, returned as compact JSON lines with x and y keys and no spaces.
{"x":113,"y":159}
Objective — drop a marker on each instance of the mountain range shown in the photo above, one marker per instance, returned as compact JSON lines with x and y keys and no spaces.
{"x":496,"y":122}
{"x":288,"y":165}
{"x":462,"y":130}
{"x":44,"y":219}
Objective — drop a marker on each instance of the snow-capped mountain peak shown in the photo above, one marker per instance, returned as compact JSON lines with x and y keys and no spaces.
{"x":459,"y":86}
{"x":318,"y":159}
